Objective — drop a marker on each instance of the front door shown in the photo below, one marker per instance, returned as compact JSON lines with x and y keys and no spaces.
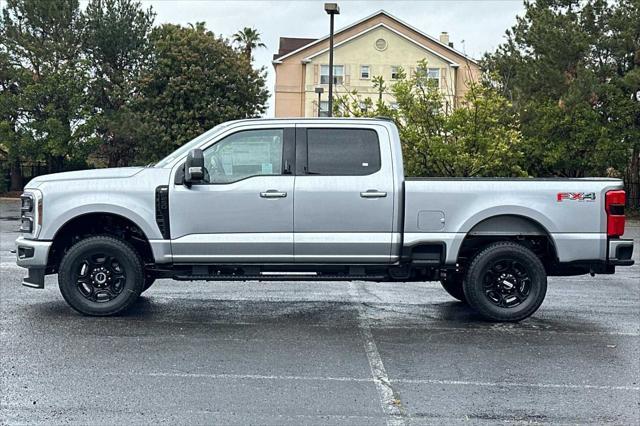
{"x":343,"y":206}
{"x":243,"y":213}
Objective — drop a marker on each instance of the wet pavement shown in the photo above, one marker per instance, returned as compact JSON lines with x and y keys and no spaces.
{"x":318,"y":353}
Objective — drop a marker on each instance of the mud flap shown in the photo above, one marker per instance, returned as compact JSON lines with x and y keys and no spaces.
{"x":35,"y":278}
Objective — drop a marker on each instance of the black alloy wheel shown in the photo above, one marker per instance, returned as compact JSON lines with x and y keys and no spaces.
{"x":505,"y":281}
{"x":101,"y":276}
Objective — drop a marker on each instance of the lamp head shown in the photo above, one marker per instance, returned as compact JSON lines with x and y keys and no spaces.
{"x":332,"y":8}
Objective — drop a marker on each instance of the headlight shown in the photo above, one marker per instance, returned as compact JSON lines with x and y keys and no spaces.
{"x":26,"y":225}
{"x":27,"y":203}
{"x":31,"y":213}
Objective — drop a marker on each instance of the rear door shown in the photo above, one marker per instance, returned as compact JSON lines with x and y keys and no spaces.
{"x":343,"y":204}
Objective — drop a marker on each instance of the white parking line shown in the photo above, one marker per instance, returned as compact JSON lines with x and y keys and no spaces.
{"x":514,"y":384}
{"x":374,"y":380}
{"x":247,"y":377}
{"x":510,"y":329}
{"x":391,"y":404}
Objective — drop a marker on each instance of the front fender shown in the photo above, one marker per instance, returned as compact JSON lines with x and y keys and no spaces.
{"x":143,"y":216}
{"x":140,"y":217}
{"x":132,"y":198}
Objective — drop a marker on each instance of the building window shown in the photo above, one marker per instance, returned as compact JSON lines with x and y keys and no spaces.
{"x":381,"y":44}
{"x":395,"y":72}
{"x":364,"y":72}
{"x":324,"y":108}
{"x":338,"y":74}
{"x":432,"y":75}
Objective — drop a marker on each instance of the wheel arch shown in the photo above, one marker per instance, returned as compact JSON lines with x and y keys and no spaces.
{"x":508,"y":224}
{"x":506,"y":227}
{"x":98,"y":223}
{"x":144,"y":218}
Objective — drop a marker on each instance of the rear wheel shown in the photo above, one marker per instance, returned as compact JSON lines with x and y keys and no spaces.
{"x":505,"y":282}
{"x":101,"y":276}
{"x":453,"y":286}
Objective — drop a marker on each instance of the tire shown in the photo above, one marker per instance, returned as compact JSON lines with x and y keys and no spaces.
{"x":453,"y":285}
{"x":101,"y":276}
{"x":505,"y":282}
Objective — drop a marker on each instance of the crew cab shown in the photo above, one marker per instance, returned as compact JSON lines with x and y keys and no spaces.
{"x":314,"y":199}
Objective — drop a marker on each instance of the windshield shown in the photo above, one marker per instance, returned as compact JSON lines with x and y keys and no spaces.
{"x":190,"y":145}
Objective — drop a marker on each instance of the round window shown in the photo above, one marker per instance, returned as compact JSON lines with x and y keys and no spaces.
{"x":381,"y":44}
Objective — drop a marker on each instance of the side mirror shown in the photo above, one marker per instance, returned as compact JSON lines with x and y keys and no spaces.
{"x":194,"y":167}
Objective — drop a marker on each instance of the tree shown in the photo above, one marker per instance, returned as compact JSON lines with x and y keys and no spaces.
{"x":482,"y":136}
{"x":115,"y":42}
{"x":195,"y":81}
{"x":100,"y":85}
{"x":570,"y":68}
{"x":44,"y":79}
{"x":379,"y":85}
{"x":248,"y":39}
{"x":11,"y":137}
{"x":479,"y":138}
{"x":624,"y":69}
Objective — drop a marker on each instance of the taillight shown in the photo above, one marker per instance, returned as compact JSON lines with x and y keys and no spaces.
{"x":614,"y":205}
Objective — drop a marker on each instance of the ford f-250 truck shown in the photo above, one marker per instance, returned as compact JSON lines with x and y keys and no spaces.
{"x":314,"y":199}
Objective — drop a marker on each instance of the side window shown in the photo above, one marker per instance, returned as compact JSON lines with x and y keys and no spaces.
{"x":342,"y":152}
{"x":245,"y":154}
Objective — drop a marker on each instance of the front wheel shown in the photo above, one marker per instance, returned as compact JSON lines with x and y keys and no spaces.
{"x":101,"y":276}
{"x":505,"y":282}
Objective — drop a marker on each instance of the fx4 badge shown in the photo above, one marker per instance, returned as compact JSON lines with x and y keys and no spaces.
{"x":576,"y":196}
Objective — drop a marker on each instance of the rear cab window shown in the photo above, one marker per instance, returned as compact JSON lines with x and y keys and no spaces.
{"x":342,"y":152}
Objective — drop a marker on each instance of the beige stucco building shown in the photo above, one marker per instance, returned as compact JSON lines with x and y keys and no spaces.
{"x":374,"y":46}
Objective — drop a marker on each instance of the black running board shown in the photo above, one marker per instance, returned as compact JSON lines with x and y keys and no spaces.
{"x":280,"y":277}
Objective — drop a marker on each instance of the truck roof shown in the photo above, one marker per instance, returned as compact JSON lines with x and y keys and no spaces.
{"x":310,"y":119}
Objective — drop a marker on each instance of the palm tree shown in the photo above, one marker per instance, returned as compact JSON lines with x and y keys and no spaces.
{"x":248,"y":39}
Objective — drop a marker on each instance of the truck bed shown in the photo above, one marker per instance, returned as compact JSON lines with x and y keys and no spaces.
{"x":570,"y":210}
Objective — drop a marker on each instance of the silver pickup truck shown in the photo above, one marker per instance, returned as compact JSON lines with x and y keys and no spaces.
{"x":314,"y":199}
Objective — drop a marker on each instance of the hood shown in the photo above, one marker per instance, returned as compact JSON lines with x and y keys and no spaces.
{"x":114,"y":173}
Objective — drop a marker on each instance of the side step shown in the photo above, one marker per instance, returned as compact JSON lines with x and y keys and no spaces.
{"x":281,"y":276}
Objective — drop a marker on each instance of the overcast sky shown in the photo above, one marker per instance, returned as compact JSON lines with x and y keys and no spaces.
{"x":474,"y":26}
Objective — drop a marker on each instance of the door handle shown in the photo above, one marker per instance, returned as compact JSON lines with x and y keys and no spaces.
{"x":273,"y":193}
{"x":373,"y":193}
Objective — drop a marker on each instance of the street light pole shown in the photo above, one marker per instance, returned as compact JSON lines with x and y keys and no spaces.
{"x":332,"y":9}
{"x":319,"y":91}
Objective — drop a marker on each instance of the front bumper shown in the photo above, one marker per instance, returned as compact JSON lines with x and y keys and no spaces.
{"x":620,"y":252}
{"x":33,"y":255}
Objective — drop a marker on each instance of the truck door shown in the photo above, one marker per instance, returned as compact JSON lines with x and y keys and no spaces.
{"x":245,"y":212}
{"x":343,"y":204}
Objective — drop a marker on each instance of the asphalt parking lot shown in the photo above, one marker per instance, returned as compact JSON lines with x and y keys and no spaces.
{"x":318,"y":353}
